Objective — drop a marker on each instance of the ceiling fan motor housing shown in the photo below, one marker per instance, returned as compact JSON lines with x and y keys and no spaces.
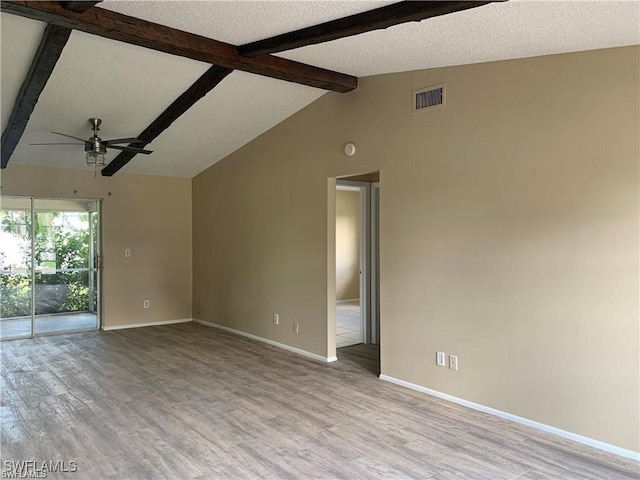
{"x":95,"y":144}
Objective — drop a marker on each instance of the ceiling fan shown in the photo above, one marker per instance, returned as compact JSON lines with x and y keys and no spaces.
{"x":96,"y":148}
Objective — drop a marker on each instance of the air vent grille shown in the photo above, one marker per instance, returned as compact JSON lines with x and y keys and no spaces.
{"x":429,"y":97}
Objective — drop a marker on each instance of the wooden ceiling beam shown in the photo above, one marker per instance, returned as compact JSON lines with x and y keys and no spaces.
{"x":79,"y":6}
{"x":135,"y":31}
{"x":184,"y":102}
{"x":379,"y":18}
{"x":51,"y":45}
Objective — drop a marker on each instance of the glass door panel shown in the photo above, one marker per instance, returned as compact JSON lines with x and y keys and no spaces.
{"x":94,"y":262}
{"x":15,"y":268}
{"x":65,"y":290}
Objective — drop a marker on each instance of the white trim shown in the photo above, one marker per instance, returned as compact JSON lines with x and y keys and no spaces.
{"x":267,"y":341}
{"x":515,"y":418}
{"x":348,"y":300}
{"x":346,"y":188}
{"x":374,"y":271}
{"x":364,"y":260}
{"x":147,"y":324}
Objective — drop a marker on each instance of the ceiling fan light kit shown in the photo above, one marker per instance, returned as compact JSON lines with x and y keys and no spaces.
{"x":95,"y":159}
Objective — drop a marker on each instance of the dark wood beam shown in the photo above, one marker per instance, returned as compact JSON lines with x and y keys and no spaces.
{"x":79,"y":6}
{"x":135,"y":31}
{"x":184,"y":102}
{"x":53,"y":41}
{"x":376,"y":19}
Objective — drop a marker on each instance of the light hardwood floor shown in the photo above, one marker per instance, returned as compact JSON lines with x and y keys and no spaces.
{"x":191,"y":402}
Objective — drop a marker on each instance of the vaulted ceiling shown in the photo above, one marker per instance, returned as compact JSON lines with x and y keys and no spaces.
{"x":130,"y":86}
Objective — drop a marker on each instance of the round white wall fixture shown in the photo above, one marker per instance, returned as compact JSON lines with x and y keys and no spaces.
{"x":349,"y":149}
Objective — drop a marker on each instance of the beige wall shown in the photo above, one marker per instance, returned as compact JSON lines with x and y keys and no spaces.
{"x":347,"y":245}
{"x":150,"y":215}
{"x":509,"y":233}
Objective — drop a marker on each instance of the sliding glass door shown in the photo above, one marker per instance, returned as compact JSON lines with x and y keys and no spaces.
{"x":16,"y":278}
{"x":49,"y":260}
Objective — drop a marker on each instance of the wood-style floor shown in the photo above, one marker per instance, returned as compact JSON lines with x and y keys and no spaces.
{"x":188,"y":401}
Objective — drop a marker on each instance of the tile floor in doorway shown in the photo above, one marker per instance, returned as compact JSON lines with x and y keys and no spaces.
{"x":348,"y":324}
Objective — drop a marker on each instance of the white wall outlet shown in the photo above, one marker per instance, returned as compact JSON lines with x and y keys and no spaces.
{"x":296,"y":327}
{"x":440,"y":359}
{"x":276,"y":319}
{"x":127,"y":252}
{"x":453,"y":362}
{"x":146,"y":304}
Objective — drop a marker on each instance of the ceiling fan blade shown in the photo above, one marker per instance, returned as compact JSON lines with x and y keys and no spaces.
{"x":56,"y":144}
{"x":131,"y":149}
{"x":122,"y":140}
{"x":83,"y":140}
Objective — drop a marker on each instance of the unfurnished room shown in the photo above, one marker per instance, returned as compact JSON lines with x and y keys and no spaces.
{"x":320,"y":240}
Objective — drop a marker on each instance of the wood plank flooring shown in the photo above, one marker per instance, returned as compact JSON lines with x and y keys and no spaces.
{"x":191,"y":402}
{"x":364,"y":355}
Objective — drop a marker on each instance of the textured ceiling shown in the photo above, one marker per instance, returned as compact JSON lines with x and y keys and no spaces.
{"x":240,"y":21}
{"x":19,"y":40}
{"x":501,"y":31}
{"x":129,"y":86}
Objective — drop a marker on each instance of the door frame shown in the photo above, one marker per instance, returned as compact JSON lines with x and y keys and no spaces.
{"x":365,"y":258}
{"x":374,"y":262}
{"x":97,"y":268}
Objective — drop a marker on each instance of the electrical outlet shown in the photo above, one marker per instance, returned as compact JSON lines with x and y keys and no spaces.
{"x":127,"y":252}
{"x":453,"y":362}
{"x":276,"y":319}
{"x":296,"y":327}
{"x":440,"y":359}
{"x":146,"y":304}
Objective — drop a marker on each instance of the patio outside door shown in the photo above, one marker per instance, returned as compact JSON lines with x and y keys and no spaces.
{"x":49,"y":275}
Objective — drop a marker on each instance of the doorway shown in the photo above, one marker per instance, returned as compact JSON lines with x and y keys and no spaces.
{"x":356,"y":256}
{"x":350,"y":229}
{"x":49,"y":266}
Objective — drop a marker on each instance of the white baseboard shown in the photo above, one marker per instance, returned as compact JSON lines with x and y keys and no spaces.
{"x":267,"y":341}
{"x":147,"y":324}
{"x":348,"y":300}
{"x":514,"y":418}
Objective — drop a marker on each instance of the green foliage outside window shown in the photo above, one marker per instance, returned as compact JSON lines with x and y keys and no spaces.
{"x":61,"y":242}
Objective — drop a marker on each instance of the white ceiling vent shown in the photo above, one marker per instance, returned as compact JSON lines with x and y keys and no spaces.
{"x":428,"y":98}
